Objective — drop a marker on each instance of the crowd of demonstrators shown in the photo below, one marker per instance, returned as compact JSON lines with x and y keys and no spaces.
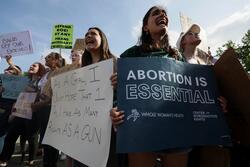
{"x":153,"y":42}
{"x":154,"y":39}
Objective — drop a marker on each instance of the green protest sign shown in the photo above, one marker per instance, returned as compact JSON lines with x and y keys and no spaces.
{"x":62,"y":36}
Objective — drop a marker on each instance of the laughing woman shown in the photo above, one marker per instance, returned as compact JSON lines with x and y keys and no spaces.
{"x":97,"y":49}
{"x":154,"y":42}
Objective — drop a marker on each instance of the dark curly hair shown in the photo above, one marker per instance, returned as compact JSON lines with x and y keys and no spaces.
{"x":41,"y":71}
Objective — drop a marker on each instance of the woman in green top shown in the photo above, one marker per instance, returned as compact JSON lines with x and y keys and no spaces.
{"x":154,"y":41}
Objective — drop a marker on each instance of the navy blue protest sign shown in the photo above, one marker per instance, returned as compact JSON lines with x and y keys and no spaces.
{"x":168,"y":104}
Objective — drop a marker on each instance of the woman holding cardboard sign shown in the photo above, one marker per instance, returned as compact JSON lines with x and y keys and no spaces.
{"x":97,"y":49}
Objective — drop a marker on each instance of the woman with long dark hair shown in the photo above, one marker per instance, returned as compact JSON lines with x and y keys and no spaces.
{"x":96,"y":50}
{"x":154,"y":42}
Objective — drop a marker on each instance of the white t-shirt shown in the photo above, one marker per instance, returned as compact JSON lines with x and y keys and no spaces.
{"x":192,"y":60}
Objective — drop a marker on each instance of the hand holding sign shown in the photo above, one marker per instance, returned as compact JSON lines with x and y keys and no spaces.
{"x":117,"y":116}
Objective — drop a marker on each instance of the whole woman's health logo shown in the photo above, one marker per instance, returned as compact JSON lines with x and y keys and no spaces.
{"x":134,"y":115}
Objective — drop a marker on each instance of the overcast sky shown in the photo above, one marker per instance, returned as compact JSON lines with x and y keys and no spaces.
{"x":223,"y":20}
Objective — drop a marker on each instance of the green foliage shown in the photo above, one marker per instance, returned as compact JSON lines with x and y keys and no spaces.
{"x":229,"y":44}
{"x":25,"y":74}
{"x":242,"y":50}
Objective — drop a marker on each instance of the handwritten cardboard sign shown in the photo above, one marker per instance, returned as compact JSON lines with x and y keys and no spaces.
{"x":18,"y":43}
{"x":79,"y":123}
{"x":23,"y":105}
